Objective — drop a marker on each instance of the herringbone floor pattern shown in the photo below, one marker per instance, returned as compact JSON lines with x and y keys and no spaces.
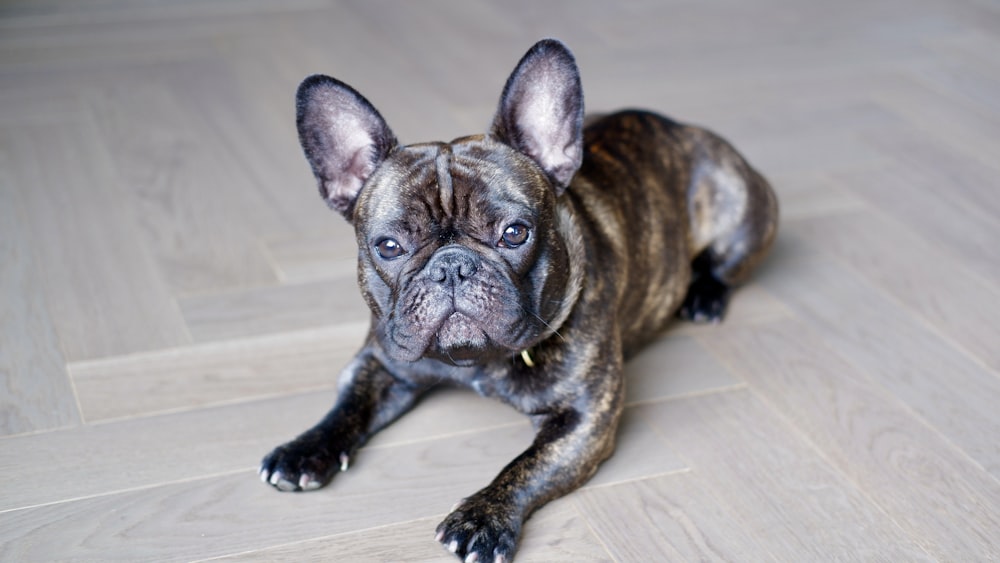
{"x":175,"y":299}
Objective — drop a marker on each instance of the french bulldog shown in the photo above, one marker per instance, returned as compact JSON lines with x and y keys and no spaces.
{"x":528,"y":263}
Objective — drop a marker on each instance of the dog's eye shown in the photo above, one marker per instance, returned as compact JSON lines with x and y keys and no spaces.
{"x":514,"y":236}
{"x":388,"y":249}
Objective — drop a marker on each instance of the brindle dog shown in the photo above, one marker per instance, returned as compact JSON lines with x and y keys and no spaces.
{"x":527,"y":263}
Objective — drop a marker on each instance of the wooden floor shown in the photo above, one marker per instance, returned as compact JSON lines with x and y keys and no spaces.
{"x":175,"y":299}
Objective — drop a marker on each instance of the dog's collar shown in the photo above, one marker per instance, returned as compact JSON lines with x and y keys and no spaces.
{"x":526,"y":356}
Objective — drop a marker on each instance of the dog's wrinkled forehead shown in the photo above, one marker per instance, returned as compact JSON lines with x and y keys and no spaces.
{"x":467,"y":184}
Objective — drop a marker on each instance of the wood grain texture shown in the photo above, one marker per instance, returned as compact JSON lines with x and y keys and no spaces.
{"x":316,"y":257}
{"x":35,"y":390}
{"x":109,"y":458}
{"x":556,"y":534}
{"x":672,"y":366}
{"x":965,"y":231}
{"x":674,"y":516}
{"x":955,"y":393}
{"x":809,"y":195}
{"x":270,"y":310}
{"x":144,"y":452}
{"x":797,"y":507}
{"x":233,"y":511}
{"x":103,"y":290}
{"x":898,"y":461}
{"x":197,"y":376}
{"x":949,"y":295}
{"x":263,"y":158}
{"x":196,"y":208}
{"x":941,"y":116}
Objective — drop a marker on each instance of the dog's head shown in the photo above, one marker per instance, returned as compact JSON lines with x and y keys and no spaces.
{"x":463,"y":253}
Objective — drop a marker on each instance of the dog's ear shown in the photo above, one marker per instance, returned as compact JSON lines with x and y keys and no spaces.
{"x":541,"y":111}
{"x":343,"y":136}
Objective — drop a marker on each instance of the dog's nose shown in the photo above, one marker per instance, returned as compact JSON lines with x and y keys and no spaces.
{"x":452,"y":264}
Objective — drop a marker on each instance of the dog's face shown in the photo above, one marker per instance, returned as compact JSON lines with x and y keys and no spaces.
{"x":459,"y":259}
{"x":462,"y":252}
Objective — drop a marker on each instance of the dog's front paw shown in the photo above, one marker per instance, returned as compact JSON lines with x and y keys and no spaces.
{"x":706,"y":300}
{"x":303,"y":464}
{"x":480,"y":530}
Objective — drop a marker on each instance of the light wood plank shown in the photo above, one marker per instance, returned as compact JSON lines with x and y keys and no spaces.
{"x":145,"y":452}
{"x":673,"y":366}
{"x":555,"y":533}
{"x":252,"y":312}
{"x":804,"y":196}
{"x":954,"y":300}
{"x":103,"y":290}
{"x":792,"y":145}
{"x":483,"y":69}
{"x":794,"y":504}
{"x":317,"y":257}
{"x":108,"y":458}
{"x":972,"y":49}
{"x":204,"y":375}
{"x":959,"y":181}
{"x":54,"y":13}
{"x":355,"y":43}
{"x":845,"y":409}
{"x":954,"y":393}
{"x":971,"y":82}
{"x":963,"y":231}
{"x":411,"y":541}
{"x":59,"y":50}
{"x":35,"y":392}
{"x":197,"y":210}
{"x":671,"y":518}
{"x":898,"y":461}
{"x":970,"y":128}
{"x":245,"y":100}
{"x":32,"y":97}
{"x":234,"y":511}
{"x":223,"y":514}
{"x":639,"y":452}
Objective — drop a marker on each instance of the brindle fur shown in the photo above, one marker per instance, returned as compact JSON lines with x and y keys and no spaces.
{"x":660,"y":217}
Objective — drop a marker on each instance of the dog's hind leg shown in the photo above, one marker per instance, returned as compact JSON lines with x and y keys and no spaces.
{"x":734,"y":218}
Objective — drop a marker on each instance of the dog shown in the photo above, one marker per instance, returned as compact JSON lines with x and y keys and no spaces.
{"x":527,"y":263}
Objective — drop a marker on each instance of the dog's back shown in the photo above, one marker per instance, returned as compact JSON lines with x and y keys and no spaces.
{"x":667,"y":204}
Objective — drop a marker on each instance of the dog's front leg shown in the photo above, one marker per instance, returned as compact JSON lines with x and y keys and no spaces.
{"x":569,"y":445}
{"x":370,"y":397}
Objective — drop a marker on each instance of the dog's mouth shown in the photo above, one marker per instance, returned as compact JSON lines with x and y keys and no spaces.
{"x":476,"y":322}
{"x":461,"y":340}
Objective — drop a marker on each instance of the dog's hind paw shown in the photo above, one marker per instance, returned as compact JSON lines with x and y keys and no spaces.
{"x":706,"y":300}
